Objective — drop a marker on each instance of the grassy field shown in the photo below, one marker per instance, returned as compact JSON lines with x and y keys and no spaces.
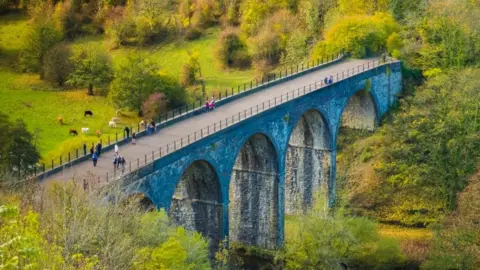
{"x":39,"y":104}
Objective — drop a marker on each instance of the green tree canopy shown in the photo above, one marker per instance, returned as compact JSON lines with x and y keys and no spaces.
{"x":92,"y":68}
{"x":136,"y":79}
{"x":17,"y":152}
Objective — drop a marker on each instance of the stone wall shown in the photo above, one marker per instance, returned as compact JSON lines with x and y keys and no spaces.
{"x":308,"y":162}
{"x":254,"y":194}
{"x":196,"y":203}
{"x":360,"y":112}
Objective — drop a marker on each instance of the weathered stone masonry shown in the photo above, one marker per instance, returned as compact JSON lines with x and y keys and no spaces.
{"x":239,"y":182}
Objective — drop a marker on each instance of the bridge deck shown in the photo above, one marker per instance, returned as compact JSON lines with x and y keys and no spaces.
{"x":183,"y":128}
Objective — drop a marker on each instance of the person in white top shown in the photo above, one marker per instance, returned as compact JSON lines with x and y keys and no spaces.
{"x":116,"y":149}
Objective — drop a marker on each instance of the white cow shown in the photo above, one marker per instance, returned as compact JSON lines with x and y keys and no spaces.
{"x":142,"y":123}
{"x":112,"y":124}
{"x":85,"y":130}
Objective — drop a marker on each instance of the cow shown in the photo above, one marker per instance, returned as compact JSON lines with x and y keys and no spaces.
{"x":72,"y":131}
{"x":85,"y":130}
{"x":115,"y":119}
{"x":88,"y":113}
{"x":112,"y":124}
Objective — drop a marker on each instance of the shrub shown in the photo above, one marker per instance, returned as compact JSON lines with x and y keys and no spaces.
{"x":323,"y":241}
{"x":231,"y":50}
{"x":192,"y":33}
{"x":359,"y":35}
{"x":57,"y":65}
{"x":155,"y":105}
{"x":269,"y":44}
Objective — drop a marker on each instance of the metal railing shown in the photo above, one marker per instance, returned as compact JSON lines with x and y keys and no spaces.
{"x":77,"y":155}
{"x":149,"y":158}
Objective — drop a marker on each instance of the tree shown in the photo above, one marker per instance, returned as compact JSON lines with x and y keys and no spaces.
{"x":324,"y":241}
{"x":17,"y":153}
{"x":232,"y":50}
{"x":57,"y":65}
{"x":38,"y":41}
{"x":92,"y":68}
{"x":136,"y":79}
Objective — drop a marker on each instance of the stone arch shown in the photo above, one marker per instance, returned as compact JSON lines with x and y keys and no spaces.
{"x":253,"y":194}
{"x":196,"y":203}
{"x":360,"y":112}
{"x":144,"y":202}
{"x":308,"y":164}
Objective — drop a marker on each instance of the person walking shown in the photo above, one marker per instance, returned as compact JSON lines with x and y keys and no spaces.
{"x":115,"y":162}
{"x":84,"y":149}
{"x":99,"y":149}
{"x":91,"y":150}
{"x":134,"y":138}
{"x":154,"y":128}
{"x":330,"y":80}
{"x":127,"y":132}
{"x":325,"y":80}
{"x":94,"y":159}
{"x":116,"y":149}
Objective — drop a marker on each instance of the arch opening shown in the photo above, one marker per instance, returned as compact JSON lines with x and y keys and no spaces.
{"x":196,"y":203}
{"x":143,"y":202}
{"x":307,"y":169}
{"x":253,"y":194}
{"x":360,"y":112}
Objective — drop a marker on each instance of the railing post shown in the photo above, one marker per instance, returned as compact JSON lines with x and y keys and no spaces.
{"x":174,"y":145}
{"x":188,"y":138}
{"x":108,"y":139}
{"x":76,"y":150}
{"x":181,"y":142}
{"x":138,"y":163}
{"x":52,"y":164}
{"x":130,"y":166}
{"x":153,"y":156}
{"x":116,"y":137}
{"x":145,"y":159}
{"x":251,"y":85}
{"x":43,"y":165}
{"x":60,"y":160}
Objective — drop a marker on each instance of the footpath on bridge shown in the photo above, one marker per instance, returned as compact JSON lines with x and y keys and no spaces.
{"x":163,"y":136}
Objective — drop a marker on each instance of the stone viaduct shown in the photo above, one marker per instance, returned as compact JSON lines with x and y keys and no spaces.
{"x":240,"y":182}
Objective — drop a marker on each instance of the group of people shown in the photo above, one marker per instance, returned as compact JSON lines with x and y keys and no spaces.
{"x":209,"y":106}
{"x":151,"y":128}
{"x":134,"y":135}
{"x":328,"y":80}
{"x":118,"y":160}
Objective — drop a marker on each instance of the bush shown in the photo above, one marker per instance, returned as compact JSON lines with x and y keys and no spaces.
{"x":358,"y":35}
{"x":269,"y":44}
{"x":193,"y":33}
{"x":57,"y":65}
{"x":321,"y":241}
{"x":154,"y":106}
{"x":231,"y":50}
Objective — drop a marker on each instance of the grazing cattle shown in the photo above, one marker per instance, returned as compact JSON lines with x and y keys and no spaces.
{"x":142,"y":123}
{"x":112,"y":124}
{"x":72,"y":131}
{"x":119,"y":112}
{"x":60,"y":120}
{"x":115,"y":119}
{"x":85,"y":130}
{"x":88,"y":113}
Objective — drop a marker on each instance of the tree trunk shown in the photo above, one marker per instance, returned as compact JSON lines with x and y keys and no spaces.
{"x":90,"y":89}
